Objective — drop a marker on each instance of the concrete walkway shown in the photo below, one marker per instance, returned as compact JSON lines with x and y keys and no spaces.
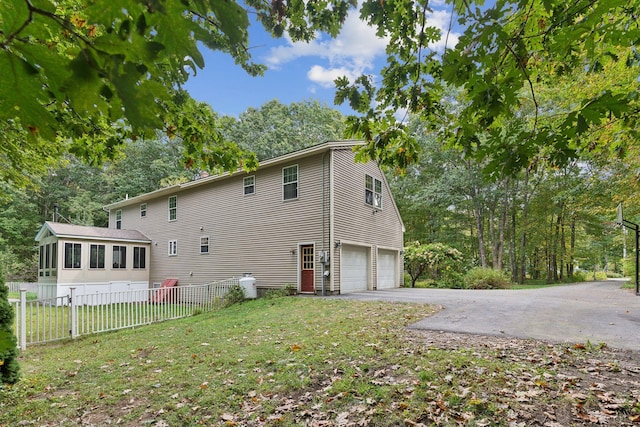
{"x":598,"y":312}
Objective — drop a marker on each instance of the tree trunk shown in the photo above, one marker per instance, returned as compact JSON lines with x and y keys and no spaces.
{"x":523,"y":237}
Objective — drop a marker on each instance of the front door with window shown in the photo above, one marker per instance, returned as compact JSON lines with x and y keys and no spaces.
{"x":306,"y":268}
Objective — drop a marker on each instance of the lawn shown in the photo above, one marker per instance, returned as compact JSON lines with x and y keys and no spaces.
{"x":319,"y":362}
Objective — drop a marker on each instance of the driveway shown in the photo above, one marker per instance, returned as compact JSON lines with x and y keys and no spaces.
{"x":598,"y":312}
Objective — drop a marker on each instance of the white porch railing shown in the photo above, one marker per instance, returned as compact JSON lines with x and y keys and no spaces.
{"x":44,"y":320}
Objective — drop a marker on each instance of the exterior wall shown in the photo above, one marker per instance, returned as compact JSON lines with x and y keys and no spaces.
{"x":357,"y":223}
{"x":258,"y":233}
{"x":87,"y":280}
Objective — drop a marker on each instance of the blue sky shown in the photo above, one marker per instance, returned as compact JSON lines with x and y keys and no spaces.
{"x":297,"y":71}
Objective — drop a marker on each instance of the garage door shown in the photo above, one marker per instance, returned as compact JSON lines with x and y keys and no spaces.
{"x":387,"y":269}
{"x":354,"y":269}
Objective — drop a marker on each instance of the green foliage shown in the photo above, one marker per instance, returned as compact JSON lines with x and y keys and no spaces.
{"x":9,"y":368}
{"x":82,"y":77}
{"x":486,"y":278}
{"x":435,"y":261}
{"x":275,"y":129}
{"x":509,"y":52}
{"x":234,"y":296}
{"x":629,"y":266}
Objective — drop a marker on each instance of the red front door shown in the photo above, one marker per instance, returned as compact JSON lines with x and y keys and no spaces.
{"x":306,"y":268}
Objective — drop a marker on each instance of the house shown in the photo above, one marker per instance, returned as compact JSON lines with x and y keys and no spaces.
{"x":90,"y":259}
{"x":313,"y":220}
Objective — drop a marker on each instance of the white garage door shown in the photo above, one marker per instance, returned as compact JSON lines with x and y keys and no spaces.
{"x":387,"y":269}
{"x":354,"y":269}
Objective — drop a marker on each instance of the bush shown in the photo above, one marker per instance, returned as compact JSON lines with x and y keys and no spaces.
{"x":601,"y":275}
{"x":434,"y":261}
{"x":629,"y":266}
{"x":234,"y":296}
{"x":486,"y":278}
{"x":9,"y":368}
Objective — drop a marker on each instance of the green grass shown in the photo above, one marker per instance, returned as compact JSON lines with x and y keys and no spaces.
{"x":30,"y":295}
{"x":275,"y":362}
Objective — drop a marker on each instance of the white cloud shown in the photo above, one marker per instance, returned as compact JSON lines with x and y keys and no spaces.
{"x":352,"y":53}
{"x":326,"y":76}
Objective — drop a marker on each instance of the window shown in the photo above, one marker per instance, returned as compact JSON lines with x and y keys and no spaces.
{"x":72,"y":253}
{"x":119,"y":219}
{"x":54,"y":259}
{"x":143,"y":210}
{"x":119,"y":256}
{"x":173,"y":247}
{"x":373,"y":192}
{"x":249,"y":185}
{"x":96,"y":256}
{"x":290,"y":182}
{"x":173,"y":208}
{"x":41,"y":263}
{"x":139,"y":257}
{"x":204,"y":245}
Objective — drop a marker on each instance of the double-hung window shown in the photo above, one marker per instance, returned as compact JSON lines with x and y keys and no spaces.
{"x":96,"y":256}
{"x":72,"y":255}
{"x":290,"y":182}
{"x":119,"y":219}
{"x":119,"y":256}
{"x":143,"y":210}
{"x":249,"y":185}
{"x":373,"y":192}
{"x":139,"y":257}
{"x":173,"y":247}
{"x":173,"y":208}
{"x":204,"y":244}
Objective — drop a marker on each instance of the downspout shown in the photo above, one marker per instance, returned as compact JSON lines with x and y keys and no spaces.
{"x":331,"y":225}
{"x":324,"y":278}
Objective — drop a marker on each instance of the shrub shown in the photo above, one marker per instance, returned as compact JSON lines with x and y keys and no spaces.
{"x":9,"y":368}
{"x":486,"y":278}
{"x":435,"y":261}
{"x":601,"y":275}
{"x":579,"y":276}
{"x":234,"y":296}
{"x":629,"y":266}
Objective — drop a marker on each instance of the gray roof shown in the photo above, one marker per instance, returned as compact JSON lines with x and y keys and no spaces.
{"x":60,"y":229}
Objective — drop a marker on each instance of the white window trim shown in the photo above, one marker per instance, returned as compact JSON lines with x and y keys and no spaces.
{"x":373,"y":191}
{"x":201,"y":245}
{"x":173,"y":244}
{"x":245,"y":186}
{"x":143,"y":211}
{"x":297,"y":182}
{"x":169,"y":208}
{"x":118,"y":219}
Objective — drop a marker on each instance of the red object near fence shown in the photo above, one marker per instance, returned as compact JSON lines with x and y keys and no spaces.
{"x":162,"y":294}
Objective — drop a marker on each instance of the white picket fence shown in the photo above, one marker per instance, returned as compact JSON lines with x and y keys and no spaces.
{"x":44,"y":320}
{"x":16,"y":286}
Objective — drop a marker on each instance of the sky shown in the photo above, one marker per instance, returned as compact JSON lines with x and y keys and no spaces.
{"x":298,"y":71}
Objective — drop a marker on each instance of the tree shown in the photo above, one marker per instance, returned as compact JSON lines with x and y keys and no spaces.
{"x":438,"y":261}
{"x":9,"y":368}
{"x":82,"y":76}
{"x":508,"y":52}
{"x":275,"y":129}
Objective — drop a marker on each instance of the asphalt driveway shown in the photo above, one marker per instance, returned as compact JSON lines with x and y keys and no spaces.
{"x":598,"y":312}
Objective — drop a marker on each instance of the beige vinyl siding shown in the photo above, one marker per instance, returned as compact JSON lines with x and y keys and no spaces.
{"x":107,"y":274}
{"x":355,"y":221}
{"x":246,"y":234}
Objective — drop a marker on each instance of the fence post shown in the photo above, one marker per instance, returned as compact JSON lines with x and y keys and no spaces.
{"x":23,"y":319}
{"x":74,"y":317}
